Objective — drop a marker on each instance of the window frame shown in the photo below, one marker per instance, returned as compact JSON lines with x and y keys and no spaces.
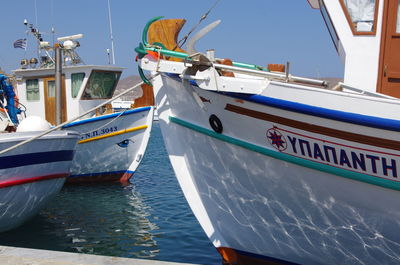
{"x":395,"y":33}
{"x":72,"y":92}
{"x":38,"y":89}
{"x":351,"y":24}
{"x":83,"y":97}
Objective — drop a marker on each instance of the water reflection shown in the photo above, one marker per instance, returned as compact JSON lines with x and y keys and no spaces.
{"x":105,"y":219}
{"x":149,"y":218}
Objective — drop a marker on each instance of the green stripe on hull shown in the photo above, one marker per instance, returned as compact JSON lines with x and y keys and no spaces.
{"x":291,"y":159}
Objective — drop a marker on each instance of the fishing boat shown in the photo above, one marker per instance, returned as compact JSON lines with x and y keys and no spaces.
{"x":111,"y":144}
{"x":33,"y":172}
{"x":280,"y":168}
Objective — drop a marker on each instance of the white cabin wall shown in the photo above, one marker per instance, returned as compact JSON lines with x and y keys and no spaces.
{"x":361,"y":51}
{"x":33,"y":108}
{"x":72,"y":110}
{"x":69,"y":100}
{"x":76,"y":106}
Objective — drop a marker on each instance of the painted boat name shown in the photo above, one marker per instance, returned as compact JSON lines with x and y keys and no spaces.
{"x":376,"y":163}
{"x":99,"y":132}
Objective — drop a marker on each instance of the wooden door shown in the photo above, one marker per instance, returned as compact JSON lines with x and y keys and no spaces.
{"x":389,"y":62}
{"x":50,"y":100}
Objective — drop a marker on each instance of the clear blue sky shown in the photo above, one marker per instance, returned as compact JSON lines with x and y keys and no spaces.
{"x":252,"y":31}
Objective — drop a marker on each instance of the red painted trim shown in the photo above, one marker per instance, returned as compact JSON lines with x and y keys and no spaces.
{"x":125,"y":178}
{"x":10,"y":183}
{"x":232,"y":256}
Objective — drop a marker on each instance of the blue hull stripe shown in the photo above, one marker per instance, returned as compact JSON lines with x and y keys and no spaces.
{"x":354,"y":118}
{"x":35,"y":158}
{"x":102,"y":173}
{"x":364,"y":120}
{"x":107,"y":116}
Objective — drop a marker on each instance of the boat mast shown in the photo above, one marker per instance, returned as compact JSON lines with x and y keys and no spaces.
{"x":37,"y":25}
{"x":58,"y":83}
{"x":111,"y":33}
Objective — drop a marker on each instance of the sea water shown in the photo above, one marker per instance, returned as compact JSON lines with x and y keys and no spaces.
{"x":149,"y":218}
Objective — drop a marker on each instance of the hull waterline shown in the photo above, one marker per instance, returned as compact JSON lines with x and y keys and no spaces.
{"x":111,"y":146}
{"x":32,"y":174}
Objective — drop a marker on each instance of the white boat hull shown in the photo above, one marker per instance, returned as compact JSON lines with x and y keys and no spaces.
{"x":32,"y":174}
{"x":111,"y":146}
{"x":285,"y":182}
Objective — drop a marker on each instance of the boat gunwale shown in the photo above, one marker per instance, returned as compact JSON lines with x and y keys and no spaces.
{"x":107,"y":116}
{"x":337,"y":115}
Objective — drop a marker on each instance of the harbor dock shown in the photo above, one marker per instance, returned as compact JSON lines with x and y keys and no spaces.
{"x":28,"y":256}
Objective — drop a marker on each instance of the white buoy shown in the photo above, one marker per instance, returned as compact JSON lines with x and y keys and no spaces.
{"x":33,"y":123}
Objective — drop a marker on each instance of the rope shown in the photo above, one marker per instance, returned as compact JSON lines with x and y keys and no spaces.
{"x":158,"y":48}
{"x":74,"y":119}
{"x":182,"y":41}
{"x":104,"y":125}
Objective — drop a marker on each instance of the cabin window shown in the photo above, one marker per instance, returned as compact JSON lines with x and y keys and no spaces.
{"x":51,"y":89}
{"x":361,"y":15}
{"x":101,"y":85}
{"x":32,"y":90}
{"x":76,"y":83}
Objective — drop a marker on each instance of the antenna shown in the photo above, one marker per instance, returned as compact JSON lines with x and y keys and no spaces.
{"x":36,"y":15}
{"x":71,"y":37}
{"x":111,"y":33}
{"x":53,"y":30}
{"x":108,"y":56}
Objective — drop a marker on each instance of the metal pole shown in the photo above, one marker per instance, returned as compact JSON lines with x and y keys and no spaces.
{"x":287,"y":71}
{"x":58,"y":82}
{"x":111,"y":33}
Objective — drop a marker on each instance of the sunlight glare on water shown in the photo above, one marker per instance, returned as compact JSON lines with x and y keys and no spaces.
{"x":147,"y":219}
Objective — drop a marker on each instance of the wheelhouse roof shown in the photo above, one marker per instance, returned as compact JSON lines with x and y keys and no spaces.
{"x":29,"y":72}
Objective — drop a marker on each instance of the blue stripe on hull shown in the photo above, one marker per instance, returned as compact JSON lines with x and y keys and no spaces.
{"x":354,"y":118}
{"x":107,"y":116}
{"x":359,"y":119}
{"x":35,"y":158}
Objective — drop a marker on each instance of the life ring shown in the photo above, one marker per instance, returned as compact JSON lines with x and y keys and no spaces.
{"x":216,"y":123}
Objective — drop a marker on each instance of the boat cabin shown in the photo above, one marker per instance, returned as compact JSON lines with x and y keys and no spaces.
{"x":366,"y":35}
{"x":83,"y":87}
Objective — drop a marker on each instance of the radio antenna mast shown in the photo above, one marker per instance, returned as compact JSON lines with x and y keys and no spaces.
{"x":111,"y":34}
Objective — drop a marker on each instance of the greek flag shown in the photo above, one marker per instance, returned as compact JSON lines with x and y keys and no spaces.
{"x":21,"y":43}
